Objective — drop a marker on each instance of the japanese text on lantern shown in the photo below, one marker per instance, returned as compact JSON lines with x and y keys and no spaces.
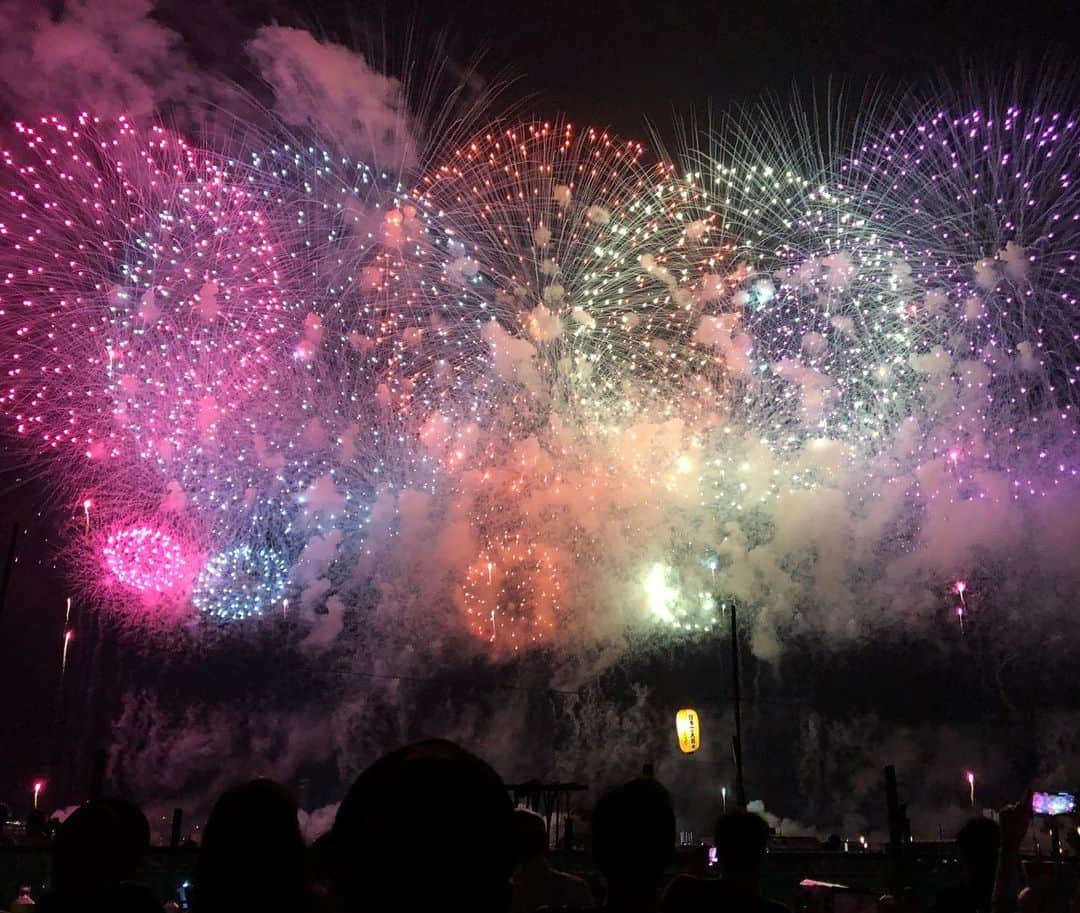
{"x":688,"y":730}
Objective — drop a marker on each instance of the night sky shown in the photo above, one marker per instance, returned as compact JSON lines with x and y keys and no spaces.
{"x":617,"y":63}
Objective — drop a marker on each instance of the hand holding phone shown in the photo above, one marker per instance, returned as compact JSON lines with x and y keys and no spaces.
{"x":1014,"y":820}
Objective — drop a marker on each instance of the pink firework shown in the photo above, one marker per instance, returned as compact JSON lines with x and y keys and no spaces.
{"x":145,"y":559}
{"x":70,"y":201}
{"x":142,"y":294}
{"x":196,"y":318}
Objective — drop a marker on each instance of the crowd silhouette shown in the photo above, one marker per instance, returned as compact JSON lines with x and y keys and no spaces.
{"x":430,"y":828}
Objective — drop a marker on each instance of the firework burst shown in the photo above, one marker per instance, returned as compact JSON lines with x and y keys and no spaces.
{"x":570,"y":270}
{"x":554,"y":386}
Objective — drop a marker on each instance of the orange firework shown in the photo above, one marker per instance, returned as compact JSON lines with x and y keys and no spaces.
{"x":511,"y":594}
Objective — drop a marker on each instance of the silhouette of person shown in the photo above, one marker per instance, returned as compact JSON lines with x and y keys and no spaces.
{"x":977,"y":848}
{"x":633,"y":838}
{"x":324,"y":899}
{"x":535,"y":883}
{"x":95,"y":856}
{"x":425,"y":828}
{"x":253,"y":858}
{"x":741,"y":841}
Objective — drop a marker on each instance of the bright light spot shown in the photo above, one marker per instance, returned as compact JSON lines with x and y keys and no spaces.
{"x":145,"y":559}
{"x":659,"y":594}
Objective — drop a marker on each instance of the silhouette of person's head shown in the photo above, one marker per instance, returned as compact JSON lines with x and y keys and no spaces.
{"x":633,"y":835}
{"x":530,"y":835}
{"x":741,"y":841}
{"x":977,"y":841}
{"x":97,"y":851}
{"x":977,"y":847}
{"x":85,"y":857}
{"x":134,"y":834}
{"x":426,"y":827}
{"x":253,"y":856}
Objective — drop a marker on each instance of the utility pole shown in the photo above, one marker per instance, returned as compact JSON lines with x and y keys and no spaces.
{"x":897,"y":833}
{"x":736,"y":696}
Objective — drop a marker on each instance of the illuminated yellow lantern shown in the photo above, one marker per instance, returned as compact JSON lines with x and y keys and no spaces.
{"x":688,"y":730}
